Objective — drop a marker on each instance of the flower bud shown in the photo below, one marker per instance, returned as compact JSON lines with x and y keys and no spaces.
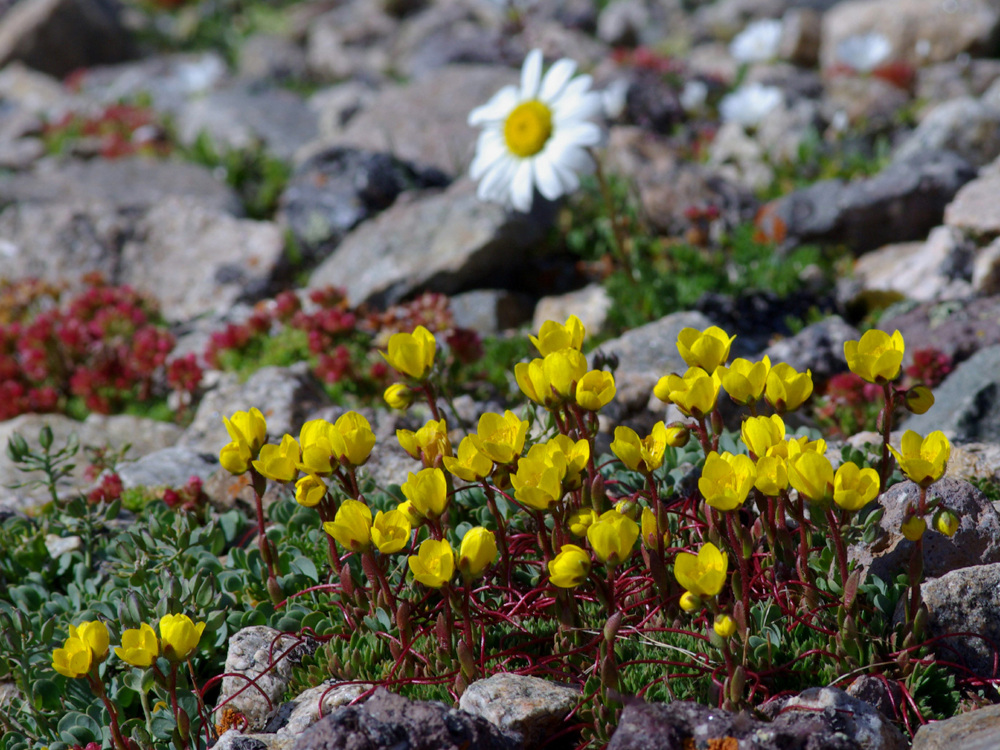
{"x":913,"y":528}
{"x":399,"y":396}
{"x":724,"y":626}
{"x":689,"y":602}
{"x":946,"y":523}
{"x":919,"y":399}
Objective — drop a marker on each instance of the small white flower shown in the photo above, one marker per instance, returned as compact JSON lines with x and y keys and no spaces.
{"x":694,"y":95}
{"x":536,"y":135}
{"x":614,"y":98}
{"x":750,"y":104}
{"x":864,"y":52}
{"x":758,"y":42}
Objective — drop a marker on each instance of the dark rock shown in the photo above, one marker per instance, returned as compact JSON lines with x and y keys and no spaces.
{"x":60,"y":36}
{"x":818,"y":347}
{"x":652,"y":103}
{"x":387,"y":721}
{"x":967,"y":403}
{"x":884,"y":695}
{"x":335,"y":190}
{"x":903,"y":202}
{"x":977,"y":541}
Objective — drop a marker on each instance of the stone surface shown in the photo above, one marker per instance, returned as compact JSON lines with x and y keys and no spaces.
{"x":986,"y":270}
{"x":387,"y":721}
{"x":266,"y":659}
{"x":271,"y":58}
{"x":826,"y":719}
{"x":60,"y":36}
{"x":966,"y":601}
{"x":954,"y":79}
{"x":958,"y":329}
{"x":197,"y":260}
{"x":976,"y":542}
{"x":967,"y":403}
{"x":351,"y":40}
{"x":591,"y":305}
{"x":969,"y":127}
{"x":975,"y":730}
{"x":528,"y":708}
{"x":489,"y":311}
{"x":286,"y":396}
{"x":329,"y":696}
{"x":335,"y":190}
{"x":865,"y":101}
{"x":425,"y":122}
{"x":169,"y":467}
{"x":974,"y":209}
{"x":818,"y":347}
{"x":801,"y":31}
{"x":446,"y":241}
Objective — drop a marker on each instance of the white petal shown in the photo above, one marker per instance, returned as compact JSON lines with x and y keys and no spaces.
{"x":576,"y":88}
{"x":531,"y":74}
{"x":557,"y":77}
{"x":585,"y":107}
{"x":489,"y":148}
{"x":496,"y":108}
{"x":522,"y":187}
{"x":567,"y":155}
{"x":581,"y":133}
{"x":568,"y":178}
{"x":495,"y":184}
{"x":547,"y":179}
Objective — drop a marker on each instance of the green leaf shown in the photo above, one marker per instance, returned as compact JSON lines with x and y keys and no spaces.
{"x":306,"y":567}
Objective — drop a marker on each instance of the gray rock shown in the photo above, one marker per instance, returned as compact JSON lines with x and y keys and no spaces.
{"x":740,"y":158}
{"x":974,"y":209}
{"x":977,"y":541}
{"x":351,"y":41}
{"x":866,"y":101}
{"x":883,"y":695}
{"x":801,"y":29}
{"x":953,"y":79}
{"x":986,"y":270}
{"x":335,"y":190}
{"x":966,"y":403}
{"x":242,"y":118}
{"x":233,"y":739}
{"x":966,"y":601}
{"x":528,"y":708}
{"x":969,"y":127}
{"x":425,"y":122}
{"x":329,"y":696}
{"x":902,"y":202}
{"x":387,"y":721}
{"x":198,"y":260}
{"x":169,"y":467}
{"x":267,"y":658}
{"x":33,"y":91}
{"x":336,"y":105}
{"x":818,"y":347}
{"x":830,"y":720}
{"x":647,"y":353}
{"x":956,"y":329}
{"x":591,"y":305}
{"x":489,"y":311}
{"x":285,"y":395}
{"x":60,"y":36}
{"x":434,"y":241}
{"x":271,"y":58}
{"x":975,"y":730}
{"x":624,"y":23}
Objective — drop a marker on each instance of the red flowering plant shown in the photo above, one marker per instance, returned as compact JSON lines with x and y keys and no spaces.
{"x":117,"y":131}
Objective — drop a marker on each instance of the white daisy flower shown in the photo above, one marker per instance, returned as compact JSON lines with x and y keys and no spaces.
{"x":864,"y":52}
{"x":750,"y":104}
{"x":536,"y":135}
{"x":758,"y":42}
{"x":693,"y":96}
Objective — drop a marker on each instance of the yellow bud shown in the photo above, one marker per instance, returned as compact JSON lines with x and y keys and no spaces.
{"x":724,"y":626}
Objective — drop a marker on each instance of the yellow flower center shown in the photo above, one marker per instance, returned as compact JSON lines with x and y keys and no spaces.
{"x":527,"y":128}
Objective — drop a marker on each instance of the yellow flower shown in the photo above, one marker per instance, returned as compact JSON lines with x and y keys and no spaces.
{"x":650,"y":529}
{"x":352,"y":526}
{"x":919,"y":399}
{"x":760,"y":434}
{"x":695,"y":394}
{"x":703,"y":574}
{"x":501,"y":438}
{"x":913,"y":528}
{"x":812,"y":475}
{"x":854,"y":488}
{"x":316,"y":442}
{"x":923,"y":460}
{"x":470,"y":465}
{"x":412,"y":354}
{"x":705,"y":349}
{"x":427,"y":491}
{"x":580,"y":520}
{"x":427,"y":443}
{"x":595,"y":390}
{"x":724,"y":626}
{"x":434,"y":563}
{"x":643,"y":455}
{"x":140,"y":647}
{"x":391,"y":531}
{"x":247,"y":431}
{"x":877,"y":357}
{"x":309,"y":490}
{"x":407,"y":509}
{"x":570,"y":567}
{"x":787,"y":389}
{"x":772,"y":475}
{"x":399,"y":396}
{"x":551,"y":381}
{"x":568,"y":456}
{"x":538,"y":483}
{"x":95,"y":634}
{"x":726,"y":480}
{"x":744,"y":380}
{"x":946,"y":523}
{"x":794,"y":446}
{"x":73,"y":659}
{"x":279,"y":462}
{"x":553,"y":336}
{"x":612,"y":537}
{"x":352,"y":439}
{"x":689,"y":602}
{"x":180,"y":636}
{"x":477,"y":551}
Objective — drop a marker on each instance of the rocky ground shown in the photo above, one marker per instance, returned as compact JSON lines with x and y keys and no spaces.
{"x":366,"y":102}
